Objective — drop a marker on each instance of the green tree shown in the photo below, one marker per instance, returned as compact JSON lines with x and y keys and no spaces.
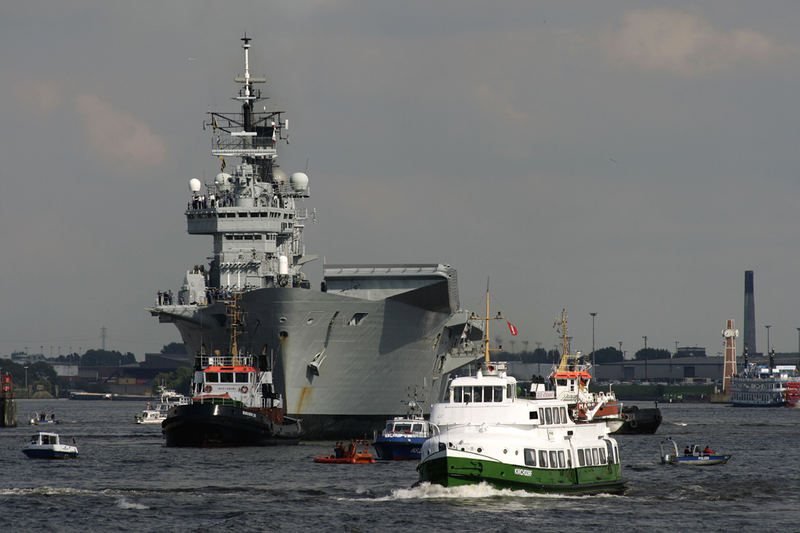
{"x":180,"y":380}
{"x":174,"y":348}
{"x":652,"y":353}
{"x":607,"y":355}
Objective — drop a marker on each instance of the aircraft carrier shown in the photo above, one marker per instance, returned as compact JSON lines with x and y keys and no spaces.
{"x":347,"y":354}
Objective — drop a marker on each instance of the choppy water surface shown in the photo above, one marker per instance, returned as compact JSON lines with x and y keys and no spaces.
{"x":127,"y":480}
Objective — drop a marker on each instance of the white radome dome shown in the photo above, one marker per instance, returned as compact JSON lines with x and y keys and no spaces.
{"x":195,"y":185}
{"x":299,"y":181}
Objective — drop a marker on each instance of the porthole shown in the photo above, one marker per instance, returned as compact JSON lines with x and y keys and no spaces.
{"x":505,"y":450}
{"x":282,"y":320}
{"x":309,"y":321}
{"x":480,"y":450}
{"x":283,"y":335}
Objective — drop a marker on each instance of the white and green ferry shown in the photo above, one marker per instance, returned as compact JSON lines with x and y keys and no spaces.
{"x":485,"y":433}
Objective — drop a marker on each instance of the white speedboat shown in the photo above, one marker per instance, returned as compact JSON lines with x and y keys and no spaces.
{"x":155,"y":414}
{"x":484,"y":433}
{"x":48,"y":446}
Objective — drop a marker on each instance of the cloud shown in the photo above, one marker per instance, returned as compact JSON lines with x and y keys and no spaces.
{"x":37,"y":96}
{"x":119,"y":135}
{"x":686,"y":44}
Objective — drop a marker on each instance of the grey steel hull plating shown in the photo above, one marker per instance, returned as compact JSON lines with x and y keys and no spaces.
{"x":344,"y":365}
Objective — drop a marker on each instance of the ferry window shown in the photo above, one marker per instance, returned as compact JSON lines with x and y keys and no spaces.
{"x":389,"y":427}
{"x":581,"y":459}
{"x":533,"y":415}
{"x":563,"y":415}
{"x":553,"y":459}
{"x":416,"y":427}
{"x":402,"y":428}
{"x":595,"y":457}
{"x":226,"y":377}
{"x":561,"y":382}
{"x":530,"y":457}
{"x":457,"y":394}
{"x":476,"y":391}
{"x":543,"y":458}
{"x":212,"y":377}
{"x":510,"y":391}
{"x":561,"y":463}
{"x":498,"y":394}
{"x":487,"y":394}
{"x":541,"y":416}
{"x":548,"y":415}
{"x":602,"y":455}
{"x":569,"y":459}
{"x":610,"y":454}
{"x":241,"y":377}
{"x":467,"y":394}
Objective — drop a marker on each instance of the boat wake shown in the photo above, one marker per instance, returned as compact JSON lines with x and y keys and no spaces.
{"x":122,"y":503}
{"x":428,"y":491}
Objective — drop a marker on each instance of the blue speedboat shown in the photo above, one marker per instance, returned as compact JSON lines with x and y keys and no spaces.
{"x":48,"y":446}
{"x":693,"y":455}
{"x":403,"y":436}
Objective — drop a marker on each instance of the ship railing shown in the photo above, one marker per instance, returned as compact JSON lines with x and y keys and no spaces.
{"x":225,"y":360}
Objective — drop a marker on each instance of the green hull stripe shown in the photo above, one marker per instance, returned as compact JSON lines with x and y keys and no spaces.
{"x":455,"y":471}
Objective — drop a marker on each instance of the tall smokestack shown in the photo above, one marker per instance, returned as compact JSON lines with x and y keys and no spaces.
{"x":749,"y":314}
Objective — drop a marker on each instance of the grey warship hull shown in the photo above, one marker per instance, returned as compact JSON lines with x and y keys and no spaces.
{"x":344,"y":364}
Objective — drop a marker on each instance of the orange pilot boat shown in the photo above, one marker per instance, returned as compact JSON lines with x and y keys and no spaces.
{"x":357,"y":452}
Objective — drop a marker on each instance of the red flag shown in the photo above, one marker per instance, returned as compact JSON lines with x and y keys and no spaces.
{"x":512,"y":328}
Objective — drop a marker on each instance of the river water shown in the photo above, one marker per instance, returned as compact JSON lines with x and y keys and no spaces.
{"x":125,"y":479}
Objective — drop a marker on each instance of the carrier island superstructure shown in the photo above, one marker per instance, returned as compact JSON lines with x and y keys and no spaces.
{"x":346,"y":354}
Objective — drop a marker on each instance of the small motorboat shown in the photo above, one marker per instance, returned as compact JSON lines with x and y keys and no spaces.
{"x":158,"y":413}
{"x":693,"y":455}
{"x":357,"y":452}
{"x":38,"y":419}
{"x":48,"y":446}
{"x":403,"y":436}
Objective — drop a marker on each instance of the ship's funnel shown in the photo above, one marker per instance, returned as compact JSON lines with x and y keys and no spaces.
{"x":283,"y":265}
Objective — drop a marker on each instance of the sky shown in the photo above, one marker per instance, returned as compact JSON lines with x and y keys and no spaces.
{"x":625,"y":158}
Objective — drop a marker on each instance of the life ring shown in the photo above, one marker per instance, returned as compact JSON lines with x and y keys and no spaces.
{"x":208,"y":388}
{"x":244,"y":389}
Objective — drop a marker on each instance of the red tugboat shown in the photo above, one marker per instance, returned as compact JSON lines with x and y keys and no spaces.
{"x":234,"y":402}
{"x":570,"y":380}
{"x":348,"y":455}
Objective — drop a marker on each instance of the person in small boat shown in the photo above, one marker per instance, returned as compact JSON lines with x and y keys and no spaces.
{"x":687,"y":451}
{"x":338,"y":450}
{"x":42,"y":416}
{"x":708,"y":451}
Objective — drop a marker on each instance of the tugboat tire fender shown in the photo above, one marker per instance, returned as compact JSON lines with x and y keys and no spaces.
{"x":633,"y":423}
